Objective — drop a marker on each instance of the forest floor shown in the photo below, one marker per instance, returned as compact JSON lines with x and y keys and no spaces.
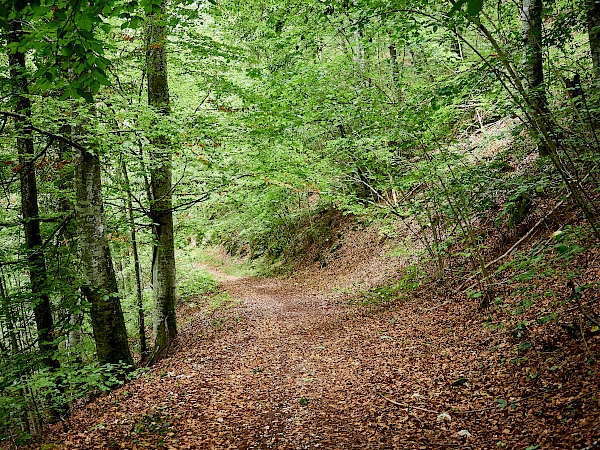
{"x":294,"y":363}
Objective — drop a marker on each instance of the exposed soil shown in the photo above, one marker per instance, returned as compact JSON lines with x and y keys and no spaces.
{"x":292,"y":365}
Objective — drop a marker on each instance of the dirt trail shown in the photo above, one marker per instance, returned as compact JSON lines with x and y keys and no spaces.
{"x":290,"y":368}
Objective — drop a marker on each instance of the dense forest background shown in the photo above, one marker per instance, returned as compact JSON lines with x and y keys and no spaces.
{"x":133,"y":133}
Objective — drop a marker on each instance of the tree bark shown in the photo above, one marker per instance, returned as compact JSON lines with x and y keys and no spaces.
{"x":531,"y":17}
{"x":65,"y":205}
{"x":394,"y":66}
{"x":36,"y":260}
{"x":100,"y":288}
{"x":593,"y":26}
{"x":136,"y":266}
{"x":161,"y":213}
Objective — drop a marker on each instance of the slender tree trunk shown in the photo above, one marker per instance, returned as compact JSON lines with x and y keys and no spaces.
{"x":100,"y":287}
{"x":593,"y":26}
{"x":65,"y":205}
{"x":136,"y":266}
{"x":163,"y":258}
{"x":531,"y":18}
{"x":394,"y":66}
{"x":5,"y":309}
{"x":29,"y":205}
{"x":456,"y":44}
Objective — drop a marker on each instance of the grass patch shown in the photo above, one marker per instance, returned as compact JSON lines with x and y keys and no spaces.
{"x":221,"y":301}
{"x":229,"y":266}
{"x":196,"y":282}
{"x":378,"y":296}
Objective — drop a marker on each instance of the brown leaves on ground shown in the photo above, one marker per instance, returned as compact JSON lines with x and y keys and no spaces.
{"x":291,"y":366}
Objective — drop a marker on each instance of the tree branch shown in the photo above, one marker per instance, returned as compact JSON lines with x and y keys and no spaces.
{"x":45,"y":132}
{"x":52,"y":219}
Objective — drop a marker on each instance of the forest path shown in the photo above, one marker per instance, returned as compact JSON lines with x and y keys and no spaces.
{"x":286,"y":364}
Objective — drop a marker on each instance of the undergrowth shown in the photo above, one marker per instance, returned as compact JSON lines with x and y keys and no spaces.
{"x":381,"y":296}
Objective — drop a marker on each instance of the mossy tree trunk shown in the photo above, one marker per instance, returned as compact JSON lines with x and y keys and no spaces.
{"x":161,"y":212}
{"x":100,"y":287}
{"x":593,"y":26}
{"x":531,"y":19}
{"x":136,"y":266}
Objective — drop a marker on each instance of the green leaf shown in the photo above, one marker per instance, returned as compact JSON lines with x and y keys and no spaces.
{"x":135,"y":21}
{"x":457,"y":6}
{"x":474,"y":7}
{"x":502,"y":403}
{"x":549,"y":318}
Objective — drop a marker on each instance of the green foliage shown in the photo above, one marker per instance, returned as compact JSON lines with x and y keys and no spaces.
{"x":155,"y":424}
{"x":220,"y":301}
{"x":196,"y":282}
{"x":411,"y":280}
{"x":45,"y":390}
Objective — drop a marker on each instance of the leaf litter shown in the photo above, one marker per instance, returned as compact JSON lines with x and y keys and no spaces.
{"x":290,"y":365}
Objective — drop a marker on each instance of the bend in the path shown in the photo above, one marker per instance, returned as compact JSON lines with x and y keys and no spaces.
{"x":300,"y":372}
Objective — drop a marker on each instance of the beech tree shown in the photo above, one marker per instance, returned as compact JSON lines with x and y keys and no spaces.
{"x":161,"y":212}
{"x":531,"y":17}
{"x":593,"y":26}
{"x":100,"y":287}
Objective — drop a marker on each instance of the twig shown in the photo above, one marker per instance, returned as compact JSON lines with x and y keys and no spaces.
{"x":576,"y":296}
{"x":403,"y":405}
{"x":437,"y":306}
{"x":471,"y":411}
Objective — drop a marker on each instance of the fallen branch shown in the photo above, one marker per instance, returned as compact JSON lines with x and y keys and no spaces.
{"x":576,"y":296}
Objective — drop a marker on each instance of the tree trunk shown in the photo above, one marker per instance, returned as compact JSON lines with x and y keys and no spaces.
{"x":456,"y":44}
{"x":394,"y":66}
{"x":593,"y":26}
{"x":531,"y":17}
{"x":5,"y":310}
{"x":29,"y":206}
{"x":65,"y":205}
{"x":100,"y":287}
{"x":163,"y":258}
{"x":136,"y":266}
